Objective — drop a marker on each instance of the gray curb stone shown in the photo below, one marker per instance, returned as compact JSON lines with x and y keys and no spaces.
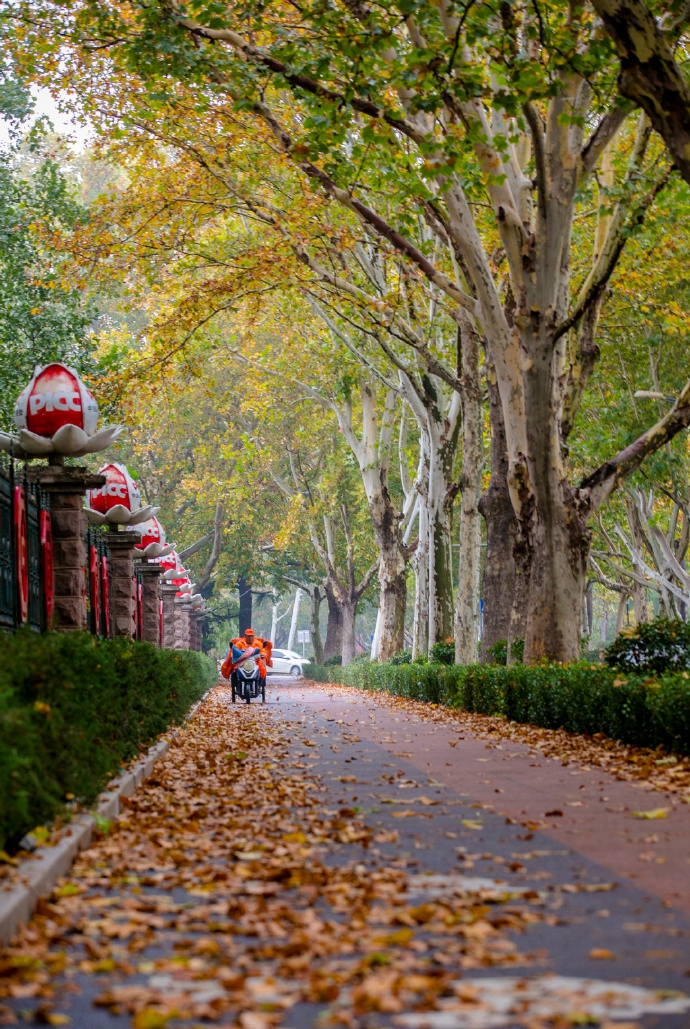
{"x":39,"y":874}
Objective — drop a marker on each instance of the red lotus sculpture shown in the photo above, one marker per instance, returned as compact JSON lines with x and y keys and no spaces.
{"x":57,"y":414}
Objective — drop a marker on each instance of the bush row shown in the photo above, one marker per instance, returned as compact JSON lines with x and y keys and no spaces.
{"x":649,"y":711}
{"x":74,"y":708}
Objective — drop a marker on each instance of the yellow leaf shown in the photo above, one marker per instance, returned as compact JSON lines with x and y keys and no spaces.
{"x":149,"y":1018}
{"x":58,"y":1019}
{"x":656,"y":812}
{"x":68,"y":890}
{"x":5,"y":859}
{"x":601,"y":954}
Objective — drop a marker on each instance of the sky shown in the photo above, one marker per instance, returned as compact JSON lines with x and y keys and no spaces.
{"x":62,"y":123}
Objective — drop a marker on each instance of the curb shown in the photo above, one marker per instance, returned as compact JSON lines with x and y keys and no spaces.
{"x":39,"y":874}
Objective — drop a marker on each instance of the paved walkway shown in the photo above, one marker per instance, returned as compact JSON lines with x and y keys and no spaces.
{"x":331,"y":859}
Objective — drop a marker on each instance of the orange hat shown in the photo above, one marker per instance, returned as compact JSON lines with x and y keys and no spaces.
{"x":249,"y":632}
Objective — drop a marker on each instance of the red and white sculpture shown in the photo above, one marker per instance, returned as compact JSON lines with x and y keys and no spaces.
{"x":153,"y":543}
{"x":118,"y":502}
{"x":57,"y":414}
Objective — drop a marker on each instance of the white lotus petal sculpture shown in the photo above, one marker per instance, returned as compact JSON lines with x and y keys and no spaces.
{"x":120,"y":515}
{"x":11,"y":445}
{"x":57,"y":415}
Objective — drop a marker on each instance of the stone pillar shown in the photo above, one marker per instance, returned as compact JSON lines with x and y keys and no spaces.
{"x":168,"y":593}
{"x":122,"y":600}
{"x":195,"y":631}
{"x":67,"y":488}
{"x":151,"y":590}
{"x":182,"y":613}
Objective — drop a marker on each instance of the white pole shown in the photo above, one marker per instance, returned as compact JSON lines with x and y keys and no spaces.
{"x":274,"y":618}
{"x":295,"y":617}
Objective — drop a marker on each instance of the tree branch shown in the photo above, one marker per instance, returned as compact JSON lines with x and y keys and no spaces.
{"x":217,"y":544}
{"x":601,"y":483}
{"x":649,"y":74}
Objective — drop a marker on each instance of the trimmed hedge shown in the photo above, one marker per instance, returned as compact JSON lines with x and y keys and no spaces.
{"x":581,"y":698}
{"x":74,"y":709}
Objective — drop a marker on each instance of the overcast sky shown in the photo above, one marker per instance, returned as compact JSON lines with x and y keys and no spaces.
{"x":45,"y":105}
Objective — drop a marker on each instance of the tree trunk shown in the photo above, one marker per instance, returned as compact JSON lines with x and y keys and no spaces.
{"x":467,"y":598}
{"x":504,"y":589}
{"x":349,"y":610}
{"x":620,"y":614}
{"x":443,"y":435}
{"x":245,"y":592}
{"x":376,"y":641}
{"x":295,"y":619}
{"x":316,"y":599}
{"x":440,"y":565}
{"x":392,"y":563}
{"x":334,"y":629}
{"x":392,"y":603}
{"x":274,"y":618}
{"x":559,"y":547}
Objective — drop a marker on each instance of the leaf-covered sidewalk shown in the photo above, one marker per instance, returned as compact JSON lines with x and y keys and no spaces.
{"x":256,"y":881}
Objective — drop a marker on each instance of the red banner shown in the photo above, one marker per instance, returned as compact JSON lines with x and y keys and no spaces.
{"x":105,"y":579}
{"x":21,"y":535}
{"x":46,"y":534}
{"x":95,"y":588}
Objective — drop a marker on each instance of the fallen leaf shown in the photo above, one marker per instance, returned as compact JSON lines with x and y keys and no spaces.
{"x":656,"y":812}
{"x":601,"y":954}
{"x":150,"y":1018}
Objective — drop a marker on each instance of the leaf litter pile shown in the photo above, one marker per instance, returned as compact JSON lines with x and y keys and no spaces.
{"x":229,"y":892}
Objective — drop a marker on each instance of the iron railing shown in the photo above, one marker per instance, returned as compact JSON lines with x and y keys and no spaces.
{"x":25,"y":550}
{"x":98,"y":611}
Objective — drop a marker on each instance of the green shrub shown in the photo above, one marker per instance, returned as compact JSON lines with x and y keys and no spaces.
{"x":499,"y":651}
{"x":657,"y":646}
{"x":403,"y":658}
{"x":322,"y":673}
{"x":581,"y":698}
{"x":443,"y":653}
{"x":335,"y":660}
{"x":74,"y":708}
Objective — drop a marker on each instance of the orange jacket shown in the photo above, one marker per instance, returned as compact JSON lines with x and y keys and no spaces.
{"x":237,"y":648}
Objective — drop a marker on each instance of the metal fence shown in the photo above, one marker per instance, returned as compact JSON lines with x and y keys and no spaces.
{"x":26,"y":551}
{"x":98,"y":609}
{"x":138,"y":586}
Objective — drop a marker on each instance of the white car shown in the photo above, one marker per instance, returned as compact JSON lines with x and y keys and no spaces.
{"x":287,"y":662}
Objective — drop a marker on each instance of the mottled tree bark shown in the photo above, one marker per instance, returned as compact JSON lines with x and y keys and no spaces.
{"x":334,"y":627}
{"x":467,"y":597}
{"x":504,"y":587}
{"x":316,"y":597}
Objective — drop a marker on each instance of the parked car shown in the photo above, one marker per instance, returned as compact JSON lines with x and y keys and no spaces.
{"x":287,"y":662}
